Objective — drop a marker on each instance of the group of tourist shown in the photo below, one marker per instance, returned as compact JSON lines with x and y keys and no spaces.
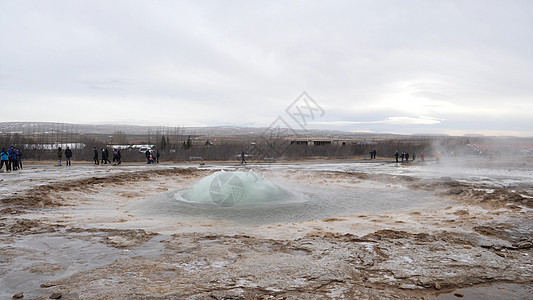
{"x":11,"y":158}
{"x":68,"y":156}
{"x":405,"y":156}
{"x":152,"y":157}
{"x":117,"y":157}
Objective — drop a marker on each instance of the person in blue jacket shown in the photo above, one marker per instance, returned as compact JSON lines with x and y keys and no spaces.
{"x":12,"y":158}
{"x":4,"y":159}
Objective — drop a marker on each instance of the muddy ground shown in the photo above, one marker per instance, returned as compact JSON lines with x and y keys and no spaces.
{"x":70,"y":234}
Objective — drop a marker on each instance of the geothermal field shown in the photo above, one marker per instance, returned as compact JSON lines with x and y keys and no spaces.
{"x":359,"y":229}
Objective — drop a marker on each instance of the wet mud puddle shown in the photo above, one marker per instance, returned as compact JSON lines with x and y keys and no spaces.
{"x":40,"y":258}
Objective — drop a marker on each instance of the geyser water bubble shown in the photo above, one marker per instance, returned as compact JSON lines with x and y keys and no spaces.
{"x":236,"y":188}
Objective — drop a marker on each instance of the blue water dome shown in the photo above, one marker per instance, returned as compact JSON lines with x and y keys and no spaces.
{"x":230,"y":189}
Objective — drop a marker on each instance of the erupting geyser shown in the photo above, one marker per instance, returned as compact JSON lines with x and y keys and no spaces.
{"x":236,"y":188}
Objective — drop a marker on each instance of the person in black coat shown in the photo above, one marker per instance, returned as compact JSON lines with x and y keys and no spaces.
{"x":243,"y":160}
{"x":68,"y":155}
{"x":148,"y":155}
{"x":107,"y":156}
{"x":95,"y":157}
{"x":18,"y":152}
{"x":103,"y":156}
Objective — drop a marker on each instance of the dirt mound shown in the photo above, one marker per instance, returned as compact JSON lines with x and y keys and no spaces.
{"x":117,"y":238}
{"x":490,"y":197}
{"x":438,"y":184}
{"x":26,"y":226}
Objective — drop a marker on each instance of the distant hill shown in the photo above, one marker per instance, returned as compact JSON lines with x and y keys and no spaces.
{"x":29,"y":127}
{"x":218,"y":131}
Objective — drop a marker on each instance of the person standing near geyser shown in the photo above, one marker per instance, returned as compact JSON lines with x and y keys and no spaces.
{"x":95,"y":156}
{"x":12,"y":157}
{"x":243,"y":160}
{"x":68,"y":155}
{"x":59,"y":156}
{"x":4,"y":156}
{"x":148,"y":155}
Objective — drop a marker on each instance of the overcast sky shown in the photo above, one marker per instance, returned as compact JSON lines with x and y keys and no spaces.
{"x":452,"y":67}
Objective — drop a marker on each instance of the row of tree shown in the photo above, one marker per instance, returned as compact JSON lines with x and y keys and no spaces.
{"x":176,"y":146}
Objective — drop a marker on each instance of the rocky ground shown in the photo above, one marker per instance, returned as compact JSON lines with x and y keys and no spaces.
{"x":72,"y":236}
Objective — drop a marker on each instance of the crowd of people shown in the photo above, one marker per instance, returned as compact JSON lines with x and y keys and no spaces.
{"x":102,"y":156}
{"x":117,"y":157}
{"x":405,"y":156}
{"x":11,"y":158}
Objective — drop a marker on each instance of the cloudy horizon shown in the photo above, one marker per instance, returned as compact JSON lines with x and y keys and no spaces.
{"x":437,"y":67}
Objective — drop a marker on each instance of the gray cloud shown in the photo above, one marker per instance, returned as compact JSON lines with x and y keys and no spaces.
{"x":375,"y":66}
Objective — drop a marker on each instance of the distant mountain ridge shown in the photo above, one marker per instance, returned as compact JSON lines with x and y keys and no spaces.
{"x":28,"y":127}
{"x":100,"y":129}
